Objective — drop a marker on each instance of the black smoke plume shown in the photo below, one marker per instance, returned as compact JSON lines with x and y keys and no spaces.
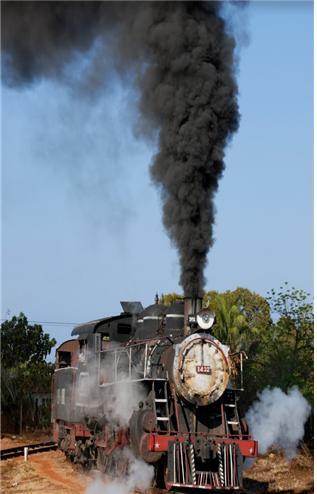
{"x":183,"y":61}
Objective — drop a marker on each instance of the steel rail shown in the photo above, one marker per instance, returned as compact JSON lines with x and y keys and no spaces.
{"x":6,"y":454}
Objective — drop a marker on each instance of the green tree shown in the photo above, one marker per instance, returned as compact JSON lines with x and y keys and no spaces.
{"x":169,"y":298}
{"x":286,"y":353}
{"x":24,"y":348}
{"x":241,"y":316}
{"x":231,"y":326}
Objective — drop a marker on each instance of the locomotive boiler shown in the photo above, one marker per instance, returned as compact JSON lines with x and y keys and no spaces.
{"x":157,"y":381}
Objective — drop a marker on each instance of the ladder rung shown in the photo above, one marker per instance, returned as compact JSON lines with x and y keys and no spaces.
{"x":232,"y":423}
{"x":165,"y":419}
{"x":160,"y":400}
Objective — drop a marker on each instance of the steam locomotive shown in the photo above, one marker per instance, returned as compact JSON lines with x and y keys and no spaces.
{"x":157,"y":381}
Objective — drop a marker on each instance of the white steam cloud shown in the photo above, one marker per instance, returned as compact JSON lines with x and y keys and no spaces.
{"x":121,"y":400}
{"x":139,"y":477}
{"x":117,"y":401}
{"x":278,"y":419}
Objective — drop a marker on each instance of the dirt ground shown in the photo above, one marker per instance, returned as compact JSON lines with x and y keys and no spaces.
{"x":272,"y":473}
{"x":11,"y":441}
{"x":47,"y":472}
{"x":51,"y":473}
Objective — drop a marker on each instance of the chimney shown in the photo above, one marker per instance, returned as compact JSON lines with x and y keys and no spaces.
{"x":192,"y":305}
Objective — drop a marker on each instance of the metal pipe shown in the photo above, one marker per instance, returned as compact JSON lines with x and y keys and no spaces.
{"x":192,"y":463}
{"x":192,"y":305}
{"x":182,"y":462}
{"x":220,"y":459}
{"x":225,"y":464}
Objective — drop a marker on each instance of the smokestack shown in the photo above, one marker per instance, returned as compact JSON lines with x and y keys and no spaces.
{"x":192,"y":305}
{"x":182,"y":56}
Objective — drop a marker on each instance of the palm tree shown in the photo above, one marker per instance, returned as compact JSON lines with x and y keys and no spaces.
{"x":232,"y":327}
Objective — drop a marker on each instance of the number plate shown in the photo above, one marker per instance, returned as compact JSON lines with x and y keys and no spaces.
{"x":203,"y":369}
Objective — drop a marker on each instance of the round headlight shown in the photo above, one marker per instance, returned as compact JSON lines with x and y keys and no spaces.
{"x":205,"y":319}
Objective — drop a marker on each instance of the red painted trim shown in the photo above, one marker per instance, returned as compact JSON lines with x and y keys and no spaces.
{"x":159,"y":443}
{"x":55,"y":432}
{"x":248,"y":447}
{"x":81,"y":430}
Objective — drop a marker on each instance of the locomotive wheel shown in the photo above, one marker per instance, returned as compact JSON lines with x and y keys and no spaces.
{"x":78,"y":452}
{"x":122,"y":467}
{"x":167,"y":484}
{"x":80,"y":456}
{"x":158,"y":480}
{"x":70,"y":455}
{"x":110,"y":465}
{"x":102,"y":460}
{"x":64,"y":443}
{"x":161,"y":475}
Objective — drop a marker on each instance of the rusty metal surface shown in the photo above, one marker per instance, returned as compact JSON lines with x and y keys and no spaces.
{"x":201,"y":369}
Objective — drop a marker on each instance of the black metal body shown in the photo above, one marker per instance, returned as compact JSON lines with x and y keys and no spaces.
{"x":159,"y":350}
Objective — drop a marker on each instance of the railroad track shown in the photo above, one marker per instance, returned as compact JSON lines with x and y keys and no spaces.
{"x":6,"y":454}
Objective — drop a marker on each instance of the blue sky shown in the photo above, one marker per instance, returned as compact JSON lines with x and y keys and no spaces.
{"x":81,"y":221}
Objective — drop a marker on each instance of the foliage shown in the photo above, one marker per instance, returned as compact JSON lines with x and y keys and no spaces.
{"x":22,"y":342}
{"x":285,"y":356}
{"x":241,"y":315}
{"x":169,"y":298}
{"x":24,"y":348}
